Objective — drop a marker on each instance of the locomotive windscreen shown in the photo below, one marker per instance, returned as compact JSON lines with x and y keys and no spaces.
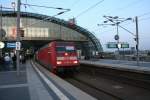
{"x":65,"y":49}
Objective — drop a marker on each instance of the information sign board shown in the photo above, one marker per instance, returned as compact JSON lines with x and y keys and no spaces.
{"x":117,"y":45}
{"x":125,"y":45}
{"x":111,"y":45}
{"x":11,"y":45}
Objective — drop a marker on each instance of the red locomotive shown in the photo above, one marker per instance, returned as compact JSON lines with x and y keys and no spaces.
{"x":58,"y":55}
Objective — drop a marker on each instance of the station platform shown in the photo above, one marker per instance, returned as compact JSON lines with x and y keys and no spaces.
{"x":143,"y":67}
{"x":34,"y":84}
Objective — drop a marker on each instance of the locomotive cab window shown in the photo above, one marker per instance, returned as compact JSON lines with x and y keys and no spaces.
{"x":65,"y":49}
{"x":70,"y":49}
{"x":60,"y":49}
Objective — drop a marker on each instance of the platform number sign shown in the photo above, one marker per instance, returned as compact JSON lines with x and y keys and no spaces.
{"x":18,"y":45}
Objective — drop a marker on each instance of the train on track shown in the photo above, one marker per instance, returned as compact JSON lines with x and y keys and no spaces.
{"x":58,"y":56}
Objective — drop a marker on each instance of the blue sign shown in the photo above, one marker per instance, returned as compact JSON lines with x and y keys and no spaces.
{"x":11,"y":45}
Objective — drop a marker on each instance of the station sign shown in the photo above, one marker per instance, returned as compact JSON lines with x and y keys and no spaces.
{"x":125,"y":45}
{"x":11,"y":45}
{"x":112,"y":45}
{"x":117,"y":45}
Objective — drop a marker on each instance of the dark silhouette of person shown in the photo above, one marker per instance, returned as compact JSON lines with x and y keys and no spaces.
{"x":14,"y":61}
{"x":1,"y":63}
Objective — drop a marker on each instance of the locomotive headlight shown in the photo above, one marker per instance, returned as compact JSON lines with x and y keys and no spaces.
{"x":66,"y":54}
{"x":75,"y":62}
{"x":59,"y":62}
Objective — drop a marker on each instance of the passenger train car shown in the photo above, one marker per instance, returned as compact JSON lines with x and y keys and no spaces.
{"x":58,"y":55}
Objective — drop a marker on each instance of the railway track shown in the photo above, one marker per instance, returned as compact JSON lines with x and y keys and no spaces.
{"x":108,"y":86}
{"x":126,"y":77}
{"x":100,"y":94}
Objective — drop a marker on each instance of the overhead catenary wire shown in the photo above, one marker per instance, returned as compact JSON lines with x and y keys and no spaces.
{"x":93,"y":6}
{"x":140,"y":19}
{"x":74,"y":3}
{"x":143,"y":19}
{"x":47,"y":18}
{"x":58,"y":8}
{"x":140,"y":16}
{"x":125,"y":7}
{"x":130,"y":5}
{"x":144,"y":14}
{"x":32,"y":8}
